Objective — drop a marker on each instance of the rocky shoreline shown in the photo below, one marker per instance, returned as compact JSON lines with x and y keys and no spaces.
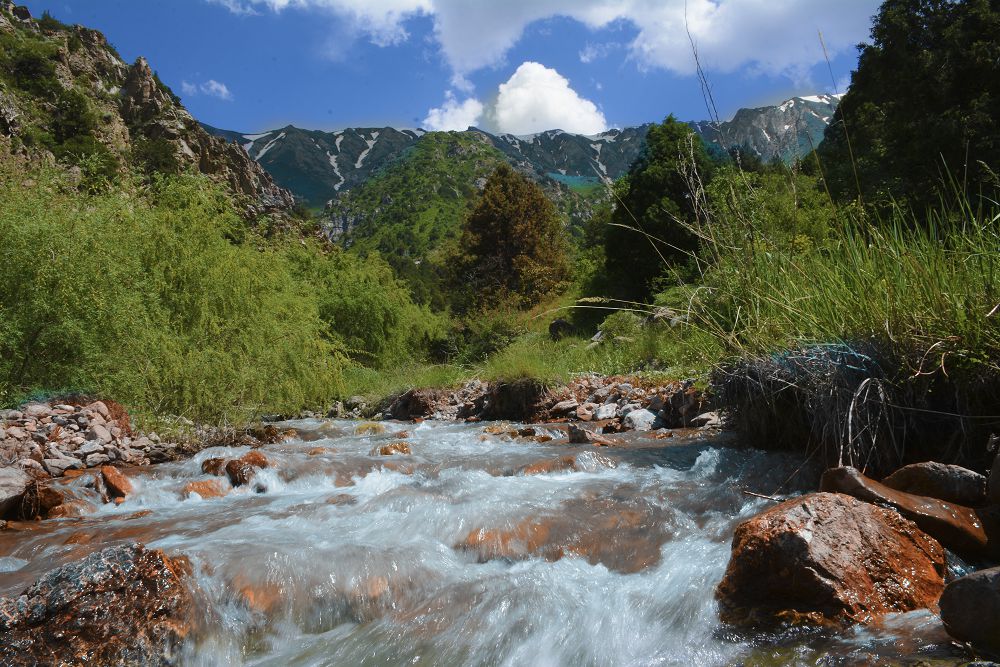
{"x":925,"y":537}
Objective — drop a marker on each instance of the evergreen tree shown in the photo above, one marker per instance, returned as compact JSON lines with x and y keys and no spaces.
{"x":513,"y":244}
{"x":648,"y":233}
{"x":923,"y":108}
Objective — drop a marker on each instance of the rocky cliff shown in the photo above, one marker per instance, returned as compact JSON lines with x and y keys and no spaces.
{"x":65,"y":91}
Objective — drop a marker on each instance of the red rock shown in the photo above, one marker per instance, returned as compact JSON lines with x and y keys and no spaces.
{"x":123,"y":605}
{"x":71,"y":509}
{"x":118,"y":485}
{"x":958,"y":528}
{"x":826,"y":558}
{"x":548,"y":466}
{"x":392,"y":448}
{"x":214,"y":466}
{"x":209,"y":488}
{"x":255,"y":459}
{"x":239,"y":472}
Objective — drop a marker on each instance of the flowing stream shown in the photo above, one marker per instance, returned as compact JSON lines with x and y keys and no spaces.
{"x":453,"y":555}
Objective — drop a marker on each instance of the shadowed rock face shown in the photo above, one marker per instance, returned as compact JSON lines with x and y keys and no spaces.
{"x":125,"y":605}
{"x":826,"y":558}
{"x":951,"y":483}
{"x":959,"y":528}
{"x":970,"y":609}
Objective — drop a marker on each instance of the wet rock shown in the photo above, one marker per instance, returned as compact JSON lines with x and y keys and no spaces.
{"x":208,"y":488}
{"x":256,"y":459}
{"x":970,"y":609}
{"x":639,"y":420}
{"x":827,"y":558}
{"x":369,"y":428}
{"x":13,"y":483}
{"x":239,"y":472}
{"x":392,"y":448}
{"x":956,"y":527}
{"x":560,"y":464}
{"x":214,"y":466}
{"x":117,"y":484}
{"x":581,"y":436}
{"x":125,"y":605}
{"x":951,"y":483}
{"x":71,"y":509}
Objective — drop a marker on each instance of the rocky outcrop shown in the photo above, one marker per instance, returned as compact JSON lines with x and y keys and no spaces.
{"x":950,"y":483}
{"x":126,"y":605}
{"x":151,"y":112}
{"x":957,"y":527}
{"x":970,"y":609}
{"x":829,"y":558}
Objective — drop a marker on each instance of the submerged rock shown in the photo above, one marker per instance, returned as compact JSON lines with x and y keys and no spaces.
{"x":125,"y":605}
{"x":957,"y":527}
{"x":392,"y":448}
{"x":970,"y":609}
{"x":826,"y":558}
{"x":951,"y":483}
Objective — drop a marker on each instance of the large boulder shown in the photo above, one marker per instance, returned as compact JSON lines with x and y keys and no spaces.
{"x":957,"y":527}
{"x":951,"y":483}
{"x":829,"y":558}
{"x":13,"y":483}
{"x":970,"y":609}
{"x":125,"y":605}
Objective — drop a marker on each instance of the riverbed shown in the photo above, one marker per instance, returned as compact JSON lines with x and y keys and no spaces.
{"x":481,"y":547}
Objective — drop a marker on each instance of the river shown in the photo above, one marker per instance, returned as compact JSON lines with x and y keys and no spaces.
{"x":454,"y":556}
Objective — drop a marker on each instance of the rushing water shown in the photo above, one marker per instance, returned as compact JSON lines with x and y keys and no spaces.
{"x":454,"y":556}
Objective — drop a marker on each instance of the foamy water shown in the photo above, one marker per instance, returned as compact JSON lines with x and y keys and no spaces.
{"x":337,"y":557}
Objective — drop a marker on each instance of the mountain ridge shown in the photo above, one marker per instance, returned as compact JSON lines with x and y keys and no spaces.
{"x":317,"y":166}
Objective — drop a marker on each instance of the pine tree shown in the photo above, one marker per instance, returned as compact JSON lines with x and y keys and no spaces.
{"x":513,"y":244}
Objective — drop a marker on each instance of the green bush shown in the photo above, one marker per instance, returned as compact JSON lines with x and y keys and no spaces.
{"x":141,"y":297}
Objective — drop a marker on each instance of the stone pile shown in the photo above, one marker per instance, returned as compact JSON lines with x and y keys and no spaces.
{"x":612,"y":404}
{"x":47,"y":440}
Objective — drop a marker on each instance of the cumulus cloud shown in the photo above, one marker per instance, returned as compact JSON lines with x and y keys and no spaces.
{"x":537,"y":98}
{"x":453,"y":115}
{"x":776,"y":37}
{"x":211,"y":88}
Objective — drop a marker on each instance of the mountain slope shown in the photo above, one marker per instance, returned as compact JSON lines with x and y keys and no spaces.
{"x":786,"y":131}
{"x":318,"y":166}
{"x":64,"y":90}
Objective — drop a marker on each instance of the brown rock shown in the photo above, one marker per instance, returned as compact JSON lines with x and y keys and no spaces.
{"x":951,"y":483}
{"x":829,"y":558}
{"x":118,"y":485}
{"x":214,"y":466}
{"x":122,"y":605}
{"x":392,"y":448}
{"x":341,"y":499}
{"x":970,"y":609}
{"x":318,"y":451}
{"x":71,"y":509}
{"x":239,"y":472}
{"x":958,"y":528}
{"x":255,"y":459}
{"x":548,"y":466}
{"x":416,"y":403}
{"x":209,"y":488}
{"x":581,"y":436}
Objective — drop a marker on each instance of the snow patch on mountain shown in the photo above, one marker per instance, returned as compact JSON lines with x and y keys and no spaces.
{"x":371,"y":144}
{"x":269,"y":146}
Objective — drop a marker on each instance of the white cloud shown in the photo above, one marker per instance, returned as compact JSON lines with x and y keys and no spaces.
{"x":212,"y":88}
{"x":454,"y":116}
{"x":776,"y":37}
{"x":592,"y":52}
{"x":537,"y":98}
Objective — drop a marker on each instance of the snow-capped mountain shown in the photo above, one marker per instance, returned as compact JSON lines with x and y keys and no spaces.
{"x":318,"y":166}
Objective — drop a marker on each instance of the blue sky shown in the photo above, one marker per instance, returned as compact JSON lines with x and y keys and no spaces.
{"x":513,"y":65}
